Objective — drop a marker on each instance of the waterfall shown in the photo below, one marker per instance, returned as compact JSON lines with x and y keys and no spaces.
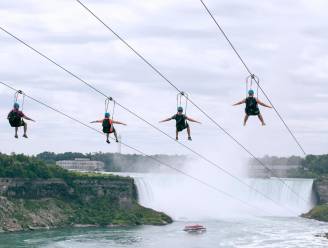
{"x":183,"y":198}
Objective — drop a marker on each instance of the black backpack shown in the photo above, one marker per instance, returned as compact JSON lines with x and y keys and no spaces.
{"x":14,"y":119}
{"x":106,"y":124}
{"x":252,"y":106}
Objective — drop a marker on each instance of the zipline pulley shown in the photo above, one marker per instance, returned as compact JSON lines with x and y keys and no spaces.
{"x":107,"y":104}
{"x":182,"y":99}
{"x":252,"y":82}
{"x":19,"y":94}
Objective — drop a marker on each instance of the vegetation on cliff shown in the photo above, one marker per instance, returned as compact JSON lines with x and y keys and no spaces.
{"x":34,"y":195}
{"x":21,"y":166}
{"x":46,"y":213}
{"x":319,"y":212}
{"x":318,"y":164}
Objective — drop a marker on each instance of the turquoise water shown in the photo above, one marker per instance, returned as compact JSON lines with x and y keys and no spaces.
{"x":246,"y":232}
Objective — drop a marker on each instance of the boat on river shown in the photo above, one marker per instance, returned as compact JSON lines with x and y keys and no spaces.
{"x":195,"y":229}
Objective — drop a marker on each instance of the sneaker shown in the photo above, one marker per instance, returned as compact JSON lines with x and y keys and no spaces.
{"x":108,"y":141}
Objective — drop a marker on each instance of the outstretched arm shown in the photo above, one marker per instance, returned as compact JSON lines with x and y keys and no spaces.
{"x":240,"y":102}
{"x":99,"y":121}
{"x":118,"y":122}
{"x":192,"y":120}
{"x":168,"y":119}
{"x":28,"y":118}
{"x":263,"y":104}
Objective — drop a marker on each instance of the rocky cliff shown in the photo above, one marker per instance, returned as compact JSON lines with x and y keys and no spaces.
{"x":321,"y":189}
{"x":27,"y":204}
{"x":320,"y":212}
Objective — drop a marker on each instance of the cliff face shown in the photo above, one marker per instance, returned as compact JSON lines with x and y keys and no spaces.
{"x":320,"y":212}
{"x":36,"y":203}
{"x":321,"y":189}
{"x":116,"y":189}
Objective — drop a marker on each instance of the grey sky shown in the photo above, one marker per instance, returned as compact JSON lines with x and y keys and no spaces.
{"x":284,"y":43}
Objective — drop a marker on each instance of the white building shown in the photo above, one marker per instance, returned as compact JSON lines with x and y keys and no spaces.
{"x":81,"y":164}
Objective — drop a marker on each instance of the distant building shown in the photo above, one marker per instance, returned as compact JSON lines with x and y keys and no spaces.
{"x":272,"y":171}
{"x":81,"y":164}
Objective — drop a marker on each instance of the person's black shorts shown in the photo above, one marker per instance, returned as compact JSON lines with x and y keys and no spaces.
{"x":108,"y":130}
{"x":254,"y":112}
{"x":182,"y":127}
{"x":18,"y":123}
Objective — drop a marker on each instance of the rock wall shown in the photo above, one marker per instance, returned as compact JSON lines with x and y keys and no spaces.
{"x":122,"y":189}
{"x":321,"y":189}
{"x":29,"y":204}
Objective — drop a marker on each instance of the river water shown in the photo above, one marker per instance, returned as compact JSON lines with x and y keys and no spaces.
{"x":242,"y":232}
{"x":268,"y":222}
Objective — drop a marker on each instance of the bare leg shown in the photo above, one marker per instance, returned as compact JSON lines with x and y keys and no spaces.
{"x":245,"y":120}
{"x":188,"y":131}
{"x":115,"y":134}
{"x":177,"y":135}
{"x":107,"y":138}
{"x":25,"y":129}
{"x":16,"y":134}
{"x":261,"y":119}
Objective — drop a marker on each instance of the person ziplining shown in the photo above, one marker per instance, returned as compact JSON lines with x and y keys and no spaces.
{"x":108,"y":127}
{"x":108,"y":123}
{"x":252,"y":108}
{"x":16,"y":117}
{"x":181,"y":118}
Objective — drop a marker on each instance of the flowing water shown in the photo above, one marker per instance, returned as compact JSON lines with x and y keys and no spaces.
{"x":264,"y":223}
{"x":184,"y":199}
{"x":227,"y":233}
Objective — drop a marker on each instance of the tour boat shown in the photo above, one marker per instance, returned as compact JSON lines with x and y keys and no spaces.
{"x":194,"y":229}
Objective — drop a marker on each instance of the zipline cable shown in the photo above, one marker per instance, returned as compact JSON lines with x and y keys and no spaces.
{"x":193,"y":103}
{"x":251,"y":74}
{"x":137,"y":150}
{"x":108,"y":98}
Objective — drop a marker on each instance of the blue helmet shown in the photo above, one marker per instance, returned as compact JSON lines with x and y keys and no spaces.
{"x":16,"y":105}
{"x":180,"y":109}
{"x":107,"y":115}
{"x":251,"y":92}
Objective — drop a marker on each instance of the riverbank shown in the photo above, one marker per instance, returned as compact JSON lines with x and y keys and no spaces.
{"x":319,"y":212}
{"x":36,"y":196}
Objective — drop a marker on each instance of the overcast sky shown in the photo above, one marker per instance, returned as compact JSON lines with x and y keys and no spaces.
{"x":284,"y":42}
